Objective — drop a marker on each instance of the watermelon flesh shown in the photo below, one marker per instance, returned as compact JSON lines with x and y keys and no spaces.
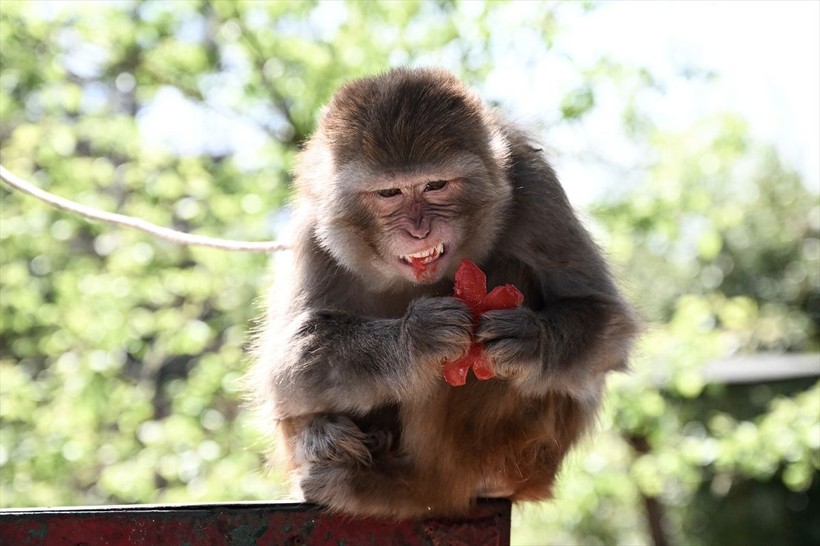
{"x":471,"y":288}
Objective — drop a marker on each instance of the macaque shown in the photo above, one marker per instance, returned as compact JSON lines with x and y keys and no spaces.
{"x":408,"y":174}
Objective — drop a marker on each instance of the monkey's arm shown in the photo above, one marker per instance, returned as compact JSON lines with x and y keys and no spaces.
{"x":339,"y":362}
{"x":566,"y":346}
{"x":574,"y":326}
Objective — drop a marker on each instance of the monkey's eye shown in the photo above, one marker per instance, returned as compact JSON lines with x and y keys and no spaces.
{"x":392,"y":192}
{"x":435,"y":185}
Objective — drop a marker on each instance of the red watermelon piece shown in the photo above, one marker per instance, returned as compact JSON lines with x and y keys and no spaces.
{"x":471,"y":288}
{"x":502,"y":297}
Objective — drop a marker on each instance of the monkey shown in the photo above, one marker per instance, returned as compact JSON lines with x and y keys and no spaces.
{"x":407,"y":174}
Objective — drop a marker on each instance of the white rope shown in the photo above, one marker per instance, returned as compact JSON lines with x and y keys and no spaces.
{"x":168,"y":234}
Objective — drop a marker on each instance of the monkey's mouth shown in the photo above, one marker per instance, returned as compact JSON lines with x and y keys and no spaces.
{"x":421,"y":259}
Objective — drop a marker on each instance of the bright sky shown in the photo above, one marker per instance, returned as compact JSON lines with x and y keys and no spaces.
{"x":766,"y":54}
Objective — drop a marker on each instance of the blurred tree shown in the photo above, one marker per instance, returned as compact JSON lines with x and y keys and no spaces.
{"x":727,"y":224}
{"x":121,"y":356}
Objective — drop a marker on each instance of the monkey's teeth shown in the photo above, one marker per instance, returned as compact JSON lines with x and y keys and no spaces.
{"x":427,"y":255}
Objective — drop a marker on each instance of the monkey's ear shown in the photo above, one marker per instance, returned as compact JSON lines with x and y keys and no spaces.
{"x":500,"y":147}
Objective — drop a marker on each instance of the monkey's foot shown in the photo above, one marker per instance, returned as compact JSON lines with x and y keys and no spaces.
{"x":333,"y":438}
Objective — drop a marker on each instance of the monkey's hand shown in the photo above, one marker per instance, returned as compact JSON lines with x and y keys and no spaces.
{"x":437,"y":329}
{"x":512,"y":338}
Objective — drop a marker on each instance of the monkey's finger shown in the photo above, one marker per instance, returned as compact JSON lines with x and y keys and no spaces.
{"x":505,"y":323}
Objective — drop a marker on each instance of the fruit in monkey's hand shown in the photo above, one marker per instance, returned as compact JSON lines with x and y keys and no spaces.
{"x":471,"y":288}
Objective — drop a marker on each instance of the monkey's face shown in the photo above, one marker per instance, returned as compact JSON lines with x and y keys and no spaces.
{"x":409,"y":225}
{"x":407,"y":173}
{"x":417,"y":232}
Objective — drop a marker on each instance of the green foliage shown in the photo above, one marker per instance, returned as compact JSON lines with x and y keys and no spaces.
{"x":577,"y":103}
{"x":121,"y":356}
{"x":730,"y":229}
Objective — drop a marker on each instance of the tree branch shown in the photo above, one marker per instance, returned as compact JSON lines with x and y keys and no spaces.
{"x":167,"y":234}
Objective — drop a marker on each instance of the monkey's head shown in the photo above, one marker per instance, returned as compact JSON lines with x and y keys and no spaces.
{"x":405,"y":177}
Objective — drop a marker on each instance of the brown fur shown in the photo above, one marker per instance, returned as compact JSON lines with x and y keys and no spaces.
{"x":349,"y":366}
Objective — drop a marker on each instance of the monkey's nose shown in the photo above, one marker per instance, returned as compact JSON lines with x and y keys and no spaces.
{"x":418,"y":232}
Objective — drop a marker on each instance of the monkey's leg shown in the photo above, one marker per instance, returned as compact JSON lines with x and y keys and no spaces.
{"x":332,"y":438}
{"x":379,"y":441}
{"x":389,"y":488}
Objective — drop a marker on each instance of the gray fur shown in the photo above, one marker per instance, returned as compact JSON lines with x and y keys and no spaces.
{"x":350,"y":362}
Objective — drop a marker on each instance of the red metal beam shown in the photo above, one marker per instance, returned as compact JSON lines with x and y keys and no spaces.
{"x":244,"y":524}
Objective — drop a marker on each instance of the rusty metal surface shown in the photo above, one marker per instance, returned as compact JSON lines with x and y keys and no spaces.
{"x":244,"y":524}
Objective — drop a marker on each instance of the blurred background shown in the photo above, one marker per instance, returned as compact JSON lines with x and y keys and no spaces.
{"x":686,"y":135}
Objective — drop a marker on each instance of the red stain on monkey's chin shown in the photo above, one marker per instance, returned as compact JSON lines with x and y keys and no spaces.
{"x":423,"y":271}
{"x":424,"y":263}
{"x":419,"y":266}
